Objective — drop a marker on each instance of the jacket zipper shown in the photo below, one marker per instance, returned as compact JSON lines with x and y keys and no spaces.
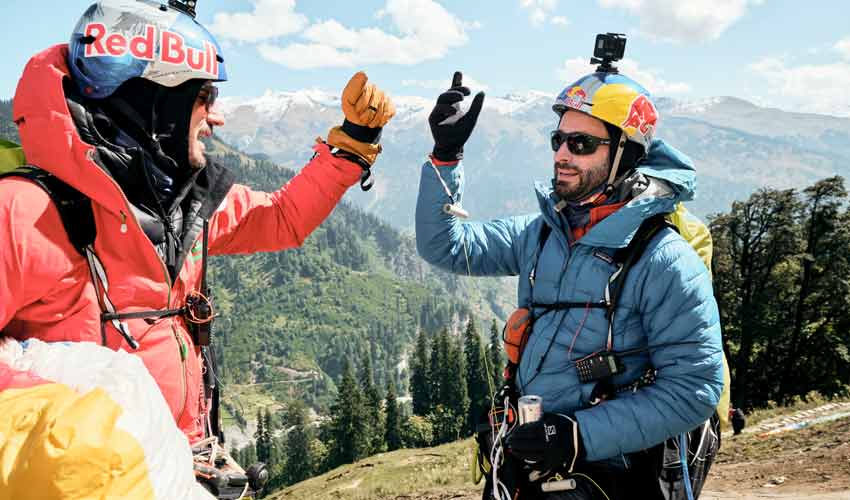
{"x":182,"y":349}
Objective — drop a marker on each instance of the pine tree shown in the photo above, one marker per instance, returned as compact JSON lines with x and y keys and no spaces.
{"x":477,"y":379}
{"x":348,"y":421}
{"x":248,"y":455}
{"x":456,"y":398}
{"x":495,"y":359}
{"x":437,"y":368}
{"x":298,"y":445}
{"x":392,"y":435}
{"x":261,"y":438}
{"x":374,"y":412}
{"x":420,"y":389}
{"x":272,"y":452}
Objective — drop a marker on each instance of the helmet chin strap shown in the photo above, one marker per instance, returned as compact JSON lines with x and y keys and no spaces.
{"x":615,"y":165}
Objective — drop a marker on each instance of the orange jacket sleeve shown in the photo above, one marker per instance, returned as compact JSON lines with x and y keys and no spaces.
{"x":252,"y":221}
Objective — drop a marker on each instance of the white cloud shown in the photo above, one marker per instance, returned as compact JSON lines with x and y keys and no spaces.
{"x":539,"y":10}
{"x":812,"y":88}
{"x":560,"y":20}
{"x":677,"y":20}
{"x":427,"y":31}
{"x":843,"y":47}
{"x":270,"y":19}
{"x":573,"y":69}
{"x":474,"y":85}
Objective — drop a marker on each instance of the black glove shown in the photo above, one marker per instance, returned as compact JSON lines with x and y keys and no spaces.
{"x":450,"y":126}
{"x":552,"y":442}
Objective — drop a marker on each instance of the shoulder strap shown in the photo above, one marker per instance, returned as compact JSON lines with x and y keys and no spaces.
{"x":545,"y":231}
{"x":74,"y":207}
{"x":625,"y":259}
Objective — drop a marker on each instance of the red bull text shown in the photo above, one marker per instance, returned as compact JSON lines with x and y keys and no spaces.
{"x":642,"y":115}
{"x":173,"y":48}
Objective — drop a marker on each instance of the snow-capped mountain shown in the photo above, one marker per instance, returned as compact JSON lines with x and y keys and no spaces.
{"x":737,"y":147}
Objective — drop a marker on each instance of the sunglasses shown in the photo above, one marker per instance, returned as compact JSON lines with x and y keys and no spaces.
{"x":578,"y":143}
{"x":208,"y":95}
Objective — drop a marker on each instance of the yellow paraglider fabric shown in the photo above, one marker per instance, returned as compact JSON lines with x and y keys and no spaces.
{"x":56,"y":444}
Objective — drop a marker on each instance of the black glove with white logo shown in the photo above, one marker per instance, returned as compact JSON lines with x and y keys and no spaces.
{"x":552,"y":442}
{"x":450,"y":125}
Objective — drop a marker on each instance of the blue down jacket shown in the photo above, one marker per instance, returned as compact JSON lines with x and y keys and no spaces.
{"x":667,"y":304}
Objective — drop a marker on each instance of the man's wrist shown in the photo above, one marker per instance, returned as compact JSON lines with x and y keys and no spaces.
{"x":362,"y":133}
{"x":447,"y":154}
{"x":440,"y":163}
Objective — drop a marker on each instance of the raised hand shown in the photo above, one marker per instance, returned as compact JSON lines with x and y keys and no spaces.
{"x":451,"y":126}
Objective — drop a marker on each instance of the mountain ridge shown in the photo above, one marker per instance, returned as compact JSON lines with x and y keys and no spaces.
{"x":737,"y":147}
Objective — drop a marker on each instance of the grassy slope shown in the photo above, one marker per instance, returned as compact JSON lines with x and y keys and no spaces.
{"x":813,"y":459}
{"x":439,"y":472}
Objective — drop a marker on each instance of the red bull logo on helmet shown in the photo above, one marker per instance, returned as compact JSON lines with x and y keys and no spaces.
{"x":642,"y":116}
{"x":575,"y":97}
{"x":173,"y":48}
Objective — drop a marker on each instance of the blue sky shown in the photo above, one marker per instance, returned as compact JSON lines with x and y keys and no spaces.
{"x":780,"y":53}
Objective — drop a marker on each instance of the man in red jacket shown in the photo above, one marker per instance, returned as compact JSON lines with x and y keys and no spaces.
{"x":118,"y":115}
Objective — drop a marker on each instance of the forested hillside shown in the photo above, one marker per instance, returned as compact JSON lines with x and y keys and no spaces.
{"x":355,"y":290}
{"x":8,"y":130}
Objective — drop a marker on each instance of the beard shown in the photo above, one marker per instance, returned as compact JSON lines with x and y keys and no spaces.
{"x":578,"y":186}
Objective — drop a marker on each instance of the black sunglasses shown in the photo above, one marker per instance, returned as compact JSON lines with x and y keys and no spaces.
{"x":208,"y":95}
{"x":578,"y":143}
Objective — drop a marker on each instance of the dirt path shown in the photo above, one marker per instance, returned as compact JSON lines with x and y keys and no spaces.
{"x":760,"y":495}
{"x":812,"y":462}
{"x":808,"y":463}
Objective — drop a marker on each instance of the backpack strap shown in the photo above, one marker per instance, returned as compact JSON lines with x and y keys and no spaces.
{"x":545,"y":231}
{"x":625,"y":258}
{"x":74,"y":207}
{"x":77,"y":217}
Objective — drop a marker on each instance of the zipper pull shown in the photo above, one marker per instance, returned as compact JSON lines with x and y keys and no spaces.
{"x":183,"y":349}
{"x":123,"y":222}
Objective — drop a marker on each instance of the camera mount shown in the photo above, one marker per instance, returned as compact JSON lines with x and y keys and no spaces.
{"x":185,"y":6}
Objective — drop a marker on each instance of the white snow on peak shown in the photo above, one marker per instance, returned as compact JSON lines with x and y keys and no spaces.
{"x":274,"y":103}
{"x":698,"y":106}
{"x":516,"y":102}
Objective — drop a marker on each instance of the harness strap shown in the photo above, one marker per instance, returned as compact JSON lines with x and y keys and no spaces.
{"x":152,"y":314}
{"x":559,"y":306}
{"x":98,"y":274}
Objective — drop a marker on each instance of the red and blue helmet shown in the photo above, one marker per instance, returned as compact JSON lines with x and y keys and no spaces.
{"x":116,"y":40}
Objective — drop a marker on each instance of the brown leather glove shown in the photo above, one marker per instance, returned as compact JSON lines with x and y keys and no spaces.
{"x":367,"y":109}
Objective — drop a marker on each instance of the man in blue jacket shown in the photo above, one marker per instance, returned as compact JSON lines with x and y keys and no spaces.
{"x":622,"y":427}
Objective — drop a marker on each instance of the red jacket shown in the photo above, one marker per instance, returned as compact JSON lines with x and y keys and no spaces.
{"x":45,"y":287}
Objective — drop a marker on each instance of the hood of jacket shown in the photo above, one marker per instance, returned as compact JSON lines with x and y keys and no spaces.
{"x":670,"y":178}
{"x":73,"y":151}
{"x":49,"y":135}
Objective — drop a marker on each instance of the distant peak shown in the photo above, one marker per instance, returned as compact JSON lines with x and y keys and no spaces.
{"x":528,"y":95}
{"x":699,"y":106}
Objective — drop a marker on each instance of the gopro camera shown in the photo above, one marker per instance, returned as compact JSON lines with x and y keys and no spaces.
{"x":609,"y":48}
{"x":187,"y":6}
